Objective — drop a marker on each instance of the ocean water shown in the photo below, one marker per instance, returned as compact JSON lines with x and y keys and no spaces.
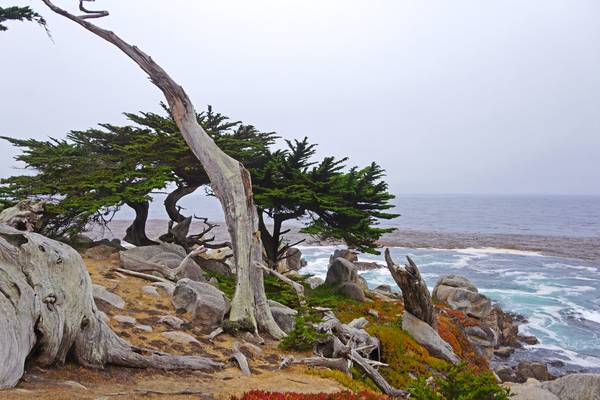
{"x":559,"y":297}
{"x":544,"y":215}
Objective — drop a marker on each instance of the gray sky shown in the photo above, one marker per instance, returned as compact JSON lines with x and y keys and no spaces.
{"x":448,"y":96}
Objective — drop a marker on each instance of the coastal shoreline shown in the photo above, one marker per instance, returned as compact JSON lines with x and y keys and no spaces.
{"x":582,"y":248}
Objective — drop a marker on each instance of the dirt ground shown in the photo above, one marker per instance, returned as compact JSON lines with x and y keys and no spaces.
{"x":75,"y":382}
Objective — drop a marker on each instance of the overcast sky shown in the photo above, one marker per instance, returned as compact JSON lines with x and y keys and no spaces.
{"x":448,"y":96}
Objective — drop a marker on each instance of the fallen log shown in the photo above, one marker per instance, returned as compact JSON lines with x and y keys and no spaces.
{"x":47,"y":312}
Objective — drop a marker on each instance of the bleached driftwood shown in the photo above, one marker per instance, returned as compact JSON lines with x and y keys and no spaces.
{"x":240,"y":358}
{"x":417,"y":299}
{"x":47,"y":312}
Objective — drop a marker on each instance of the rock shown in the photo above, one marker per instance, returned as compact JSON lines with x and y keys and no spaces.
{"x":531,"y":340}
{"x":214,"y":266}
{"x":251,"y":350}
{"x":536,"y":370}
{"x":504,"y":351}
{"x":575,"y":387}
{"x":460,"y":294}
{"x":504,"y":325}
{"x":314,"y":282}
{"x":166,"y":254}
{"x":180,"y":337}
{"x":362,"y":283}
{"x":344,"y":253}
{"x":207,"y":304}
{"x":284,"y":316}
{"x":125,"y":319}
{"x":529,"y":390}
{"x":81,"y":240}
{"x":384,"y":288}
{"x":143,"y":328}
{"x":481,"y":336}
{"x":292,"y":262}
{"x":427,"y":337}
{"x":150,"y":291}
{"x":373,"y":313}
{"x":101,"y":293}
{"x":171,"y":320}
{"x":166,"y":286}
{"x":213,"y":281}
{"x":352,"y":291}
{"x":367,"y":265}
{"x":293,"y":274}
{"x":508,"y":374}
{"x":100,"y":252}
{"x":341,"y":271}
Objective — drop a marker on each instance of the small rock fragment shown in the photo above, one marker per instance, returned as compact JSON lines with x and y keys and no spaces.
{"x":180,"y":337}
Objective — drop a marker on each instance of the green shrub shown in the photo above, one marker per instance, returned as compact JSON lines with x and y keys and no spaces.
{"x":303,"y":337}
{"x":460,"y":383}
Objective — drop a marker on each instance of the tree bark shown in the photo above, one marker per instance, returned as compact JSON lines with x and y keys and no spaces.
{"x":268,"y":241}
{"x":417,"y":299}
{"x":230,"y":182}
{"x":173,"y":198}
{"x":136,"y":232}
{"x":47,"y":312}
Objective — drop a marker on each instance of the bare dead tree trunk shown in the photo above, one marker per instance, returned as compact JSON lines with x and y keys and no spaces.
{"x":172,"y":200}
{"x":136,"y":232}
{"x":230,"y":181}
{"x":417,"y":299}
{"x":47,"y":312}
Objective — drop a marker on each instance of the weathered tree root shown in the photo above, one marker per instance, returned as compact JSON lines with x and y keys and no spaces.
{"x":47,"y":313}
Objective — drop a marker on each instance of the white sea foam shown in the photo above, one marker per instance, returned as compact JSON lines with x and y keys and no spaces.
{"x":495,"y":250}
{"x":560,"y":266}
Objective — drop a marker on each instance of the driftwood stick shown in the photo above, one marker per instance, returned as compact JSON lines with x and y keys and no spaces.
{"x":214,"y":334}
{"x":417,"y":299}
{"x":241,"y":359}
{"x":141,"y":275}
{"x":298,"y":288}
{"x":375,"y":375}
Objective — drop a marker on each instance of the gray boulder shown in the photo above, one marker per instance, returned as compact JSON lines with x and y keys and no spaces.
{"x":575,"y":387}
{"x":367,"y":265}
{"x":460,"y":294}
{"x":352,"y":291}
{"x":206,"y":304}
{"x":156,"y":253}
{"x":427,"y":337}
{"x":529,"y":390}
{"x":314,"y":282}
{"x":100,"y":252}
{"x":284,"y":316}
{"x":341,"y":271}
{"x":292,"y":262}
{"x":344,"y":253}
{"x":536,"y":370}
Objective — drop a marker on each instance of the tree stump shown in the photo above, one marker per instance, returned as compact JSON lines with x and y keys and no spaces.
{"x":417,"y":299}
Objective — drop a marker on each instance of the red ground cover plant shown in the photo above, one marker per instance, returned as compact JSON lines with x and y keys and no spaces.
{"x":262,"y":395}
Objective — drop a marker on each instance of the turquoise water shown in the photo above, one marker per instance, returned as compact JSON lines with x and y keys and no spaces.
{"x":559,"y":297}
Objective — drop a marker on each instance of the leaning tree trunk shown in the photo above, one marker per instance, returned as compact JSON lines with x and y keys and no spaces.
{"x":173,"y":198}
{"x":47,"y":313}
{"x":417,"y":299}
{"x":229,"y":179}
{"x":136,"y":232}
